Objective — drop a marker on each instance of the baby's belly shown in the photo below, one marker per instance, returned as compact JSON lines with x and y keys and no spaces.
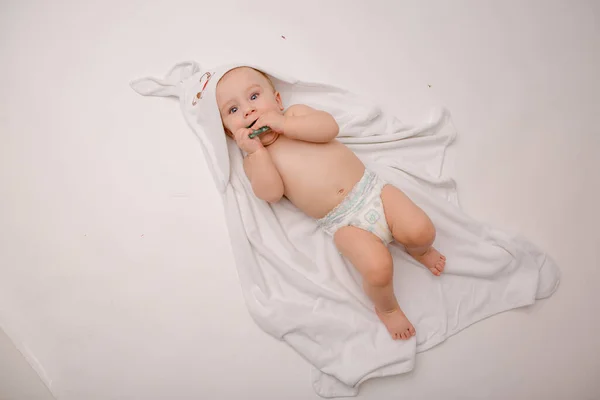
{"x":316,"y":176}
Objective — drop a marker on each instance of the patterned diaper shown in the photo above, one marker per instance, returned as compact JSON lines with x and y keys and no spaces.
{"x":362,"y":207}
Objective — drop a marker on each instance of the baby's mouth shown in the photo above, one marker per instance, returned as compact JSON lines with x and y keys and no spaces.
{"x":250,"y":126}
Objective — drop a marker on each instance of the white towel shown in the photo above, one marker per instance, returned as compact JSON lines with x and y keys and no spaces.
{"x":296,"y":285}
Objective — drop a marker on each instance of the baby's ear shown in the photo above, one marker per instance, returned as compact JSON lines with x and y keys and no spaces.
{"x":278,"y":99}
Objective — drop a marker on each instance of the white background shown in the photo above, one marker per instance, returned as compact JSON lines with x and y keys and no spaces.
{"x":116,"y":275}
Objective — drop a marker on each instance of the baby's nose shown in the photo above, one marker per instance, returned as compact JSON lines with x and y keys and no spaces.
{"x":249,"y":111}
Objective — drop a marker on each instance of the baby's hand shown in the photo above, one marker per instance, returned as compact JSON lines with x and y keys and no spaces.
{"x":245,"y":143}
{"x":273,"y":120}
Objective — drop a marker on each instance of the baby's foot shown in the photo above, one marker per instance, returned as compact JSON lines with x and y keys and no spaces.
{"x":397,"y":324}
{"x":433,"y":260}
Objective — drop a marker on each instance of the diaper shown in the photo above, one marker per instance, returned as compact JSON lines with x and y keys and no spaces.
{"x":362,"y":207}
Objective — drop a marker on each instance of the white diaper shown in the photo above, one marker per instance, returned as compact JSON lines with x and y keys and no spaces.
{"x":362,"y":207}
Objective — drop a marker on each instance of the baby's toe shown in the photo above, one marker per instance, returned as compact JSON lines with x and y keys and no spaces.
{"x":412,"y":330}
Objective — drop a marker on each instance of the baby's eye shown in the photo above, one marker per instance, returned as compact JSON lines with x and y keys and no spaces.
{"x":254,"y":96}
{"x":232,"y":110}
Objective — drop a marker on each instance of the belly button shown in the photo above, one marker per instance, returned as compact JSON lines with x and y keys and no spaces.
{"x":341,"y":191}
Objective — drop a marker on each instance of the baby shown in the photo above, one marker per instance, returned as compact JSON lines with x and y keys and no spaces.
{"x":299,"y":158}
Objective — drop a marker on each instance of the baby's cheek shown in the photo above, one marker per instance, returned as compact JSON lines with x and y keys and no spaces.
{"x":227,"y":124}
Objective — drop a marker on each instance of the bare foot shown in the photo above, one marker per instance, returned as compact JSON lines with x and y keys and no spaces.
{"x":397,"y":324}
{"x":433,"y":260}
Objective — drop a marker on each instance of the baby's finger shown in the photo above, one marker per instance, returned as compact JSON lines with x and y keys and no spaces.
{"x":262,"y":121}
{"x":242,"y":133}
{"x":246,"y":138}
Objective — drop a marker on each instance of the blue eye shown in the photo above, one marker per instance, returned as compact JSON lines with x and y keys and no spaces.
{"x":232,"y":110}
{"x":254,"y":96}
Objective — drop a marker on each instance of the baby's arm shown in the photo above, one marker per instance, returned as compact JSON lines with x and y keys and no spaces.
{"x":266,"y":181}
{"x":305,"y":123}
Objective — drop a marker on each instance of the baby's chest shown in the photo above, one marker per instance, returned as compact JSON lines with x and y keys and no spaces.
{"x":303,"y":157}
{"x":314,"y":162}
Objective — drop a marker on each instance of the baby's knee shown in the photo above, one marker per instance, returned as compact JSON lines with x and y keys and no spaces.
{"x":421,"y":233}
{"x":380,"y":270}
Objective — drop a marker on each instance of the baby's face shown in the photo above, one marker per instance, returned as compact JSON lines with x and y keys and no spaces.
{"x":243,"y":95}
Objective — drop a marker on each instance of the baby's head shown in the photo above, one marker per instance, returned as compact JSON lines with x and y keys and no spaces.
{"x":243,"y":95}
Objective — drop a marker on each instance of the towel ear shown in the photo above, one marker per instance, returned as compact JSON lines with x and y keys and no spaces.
{"x":170,"y":85}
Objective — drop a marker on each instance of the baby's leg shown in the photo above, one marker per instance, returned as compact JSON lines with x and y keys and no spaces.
{"x":373,"y":260}
{"x":411,"y":227}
